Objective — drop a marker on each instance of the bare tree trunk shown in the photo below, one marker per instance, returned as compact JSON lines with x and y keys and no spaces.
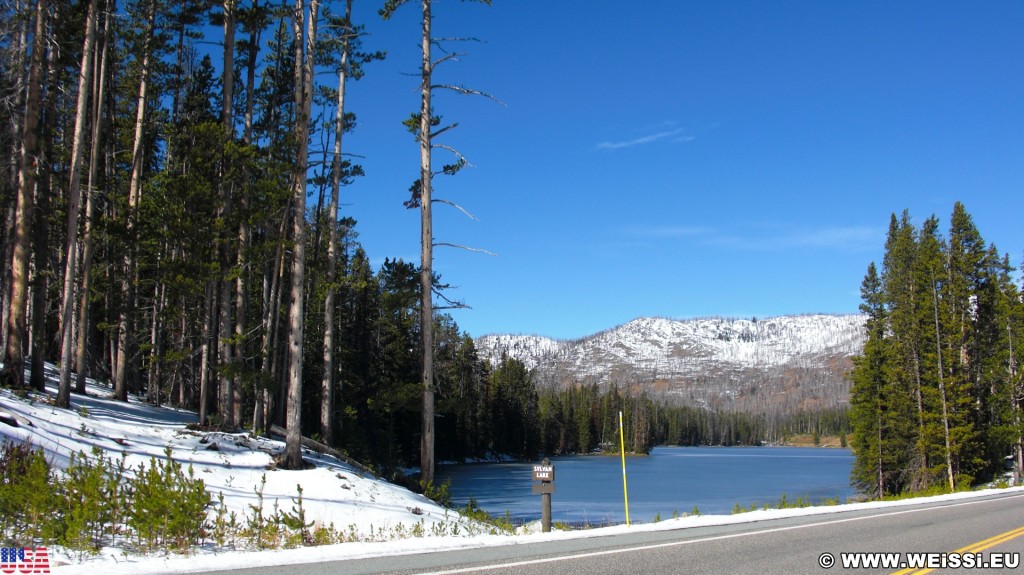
{"x":272,"y":307}
{"x":74,"y":201}
{"x":1015,"y":398}
{"x":204,"y":361}
{"x":45,"y":191}
{"x":40,"y":281}
{"x":156,"y":344}
{"x":225,"y":353}
{"x":878,"y":438}
{"x":178,"y":379}
{"x":228,"y":81}
{"x":942,"y":392}
{"x":244,"y":234}
{"x":426,"y":257}
{"x":303,"y":103}
{"x":126,"y":317}
{"x":14,"y":362}
{"x":250,"y":73}
{"x":918,"y":395}
{"x":87,"y":235}
{"x":21,"y":51}
{"x":10,"y":222}
{"x":1018,"y":447}
{"x":110,"y":342}
{"x":327,"y":384}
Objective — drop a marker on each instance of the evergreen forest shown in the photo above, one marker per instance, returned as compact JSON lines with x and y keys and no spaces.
{"x":936,"y":396}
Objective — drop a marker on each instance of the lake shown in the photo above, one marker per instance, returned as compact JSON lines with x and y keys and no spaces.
{"x":669,"y":480}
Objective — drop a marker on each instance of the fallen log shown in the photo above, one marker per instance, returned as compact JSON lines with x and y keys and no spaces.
{"x":8,"y":418}
{"x":325,"y":449}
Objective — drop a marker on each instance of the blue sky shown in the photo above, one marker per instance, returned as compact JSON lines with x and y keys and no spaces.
{"x":690,"y":159}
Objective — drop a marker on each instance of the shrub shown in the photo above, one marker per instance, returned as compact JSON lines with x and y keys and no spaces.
{"x":296,"y":524}
{"x":169,"y":506}
{"x":440,"y":494}
{"x":255,"y":524}
{"x":225,"y":523}
{"x":86,"y":502}
{"x":28,"y":501}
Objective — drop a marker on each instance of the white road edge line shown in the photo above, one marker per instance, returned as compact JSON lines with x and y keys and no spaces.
{"x":701,"y":540}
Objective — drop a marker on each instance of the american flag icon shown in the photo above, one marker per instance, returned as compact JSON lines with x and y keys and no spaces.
{"x":25,"y":560}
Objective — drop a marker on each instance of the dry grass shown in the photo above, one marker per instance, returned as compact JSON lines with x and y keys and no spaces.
{"x":808,"y":441}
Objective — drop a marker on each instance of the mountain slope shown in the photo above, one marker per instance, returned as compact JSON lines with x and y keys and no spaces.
{"x":783,"y":363}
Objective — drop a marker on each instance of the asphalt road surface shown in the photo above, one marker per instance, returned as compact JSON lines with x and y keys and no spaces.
{"x":979,"y":533}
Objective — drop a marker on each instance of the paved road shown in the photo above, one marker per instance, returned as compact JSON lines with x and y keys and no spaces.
{"x":992,"y":525}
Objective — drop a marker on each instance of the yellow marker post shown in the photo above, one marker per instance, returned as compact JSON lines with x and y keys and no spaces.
{"x":622,"y":449}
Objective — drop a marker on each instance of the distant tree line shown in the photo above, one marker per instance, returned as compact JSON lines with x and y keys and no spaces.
{"x":515,"y":417}
{"x":937,"y":394}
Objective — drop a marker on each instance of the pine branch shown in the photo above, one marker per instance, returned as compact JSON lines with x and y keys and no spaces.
{"x":451,"y":303}
{"x":467,"y":248}
{"x":457,"y":207}
{"x":467,"y":91}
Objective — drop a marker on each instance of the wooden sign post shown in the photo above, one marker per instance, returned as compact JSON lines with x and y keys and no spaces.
{"x":545,"y":473}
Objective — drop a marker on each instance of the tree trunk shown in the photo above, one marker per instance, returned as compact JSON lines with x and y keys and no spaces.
{"x":14,"y":362}
{"x":250,"y":72}
{"x":225,"y":348}
{"x":303,"y":102}
{"x":74,"y":201}
{"x":426,"y":258}
{"x":46,"y":190}
{"x":156,"y":343}
{"x":81,"y":356}
{"x":327,"y":384}
{"x":244,"y":234}
{"x":204,"y":361}
{"x":20,"y":50}
{"x":126,"y":317}
{"x":1018,"y":444}
{"x":942,"y":392}
{"x":271,"y":307}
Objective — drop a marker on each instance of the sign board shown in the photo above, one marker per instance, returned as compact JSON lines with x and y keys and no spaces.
{"x":544,"y":473}
{"x":542,"y":488}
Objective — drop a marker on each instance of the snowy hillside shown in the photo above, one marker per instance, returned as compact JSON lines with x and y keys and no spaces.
{"x":362,"y":507}
{"x":677,"y":356}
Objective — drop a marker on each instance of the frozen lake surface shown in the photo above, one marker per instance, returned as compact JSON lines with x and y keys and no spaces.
{"x":670,"y":480}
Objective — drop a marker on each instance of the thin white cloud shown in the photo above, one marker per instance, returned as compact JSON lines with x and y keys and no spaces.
{"x":669,"y":231}
{"x":677,"y":134}
{"x":764,"y":238}
{"x":839,"y":237}
{"x":852,"y":236}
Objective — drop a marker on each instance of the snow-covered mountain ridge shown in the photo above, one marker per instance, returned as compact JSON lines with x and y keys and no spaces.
{"x":680,"y":355}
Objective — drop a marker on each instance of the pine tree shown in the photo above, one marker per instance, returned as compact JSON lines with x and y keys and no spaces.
{"x":905,"y":414}
{"x":965,"y":258}
{"x":88,"y":232}
{"x":934,"y":400}
{"x":14,"y":356}
{"x":292,"y":456}
{"x":997,"y":299}
{"x":422,"y":125}
{"x":349,"y":62}
{"x":74,"y":201}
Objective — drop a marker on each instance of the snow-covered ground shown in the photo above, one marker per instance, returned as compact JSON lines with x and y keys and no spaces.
{"x":333,"y":492}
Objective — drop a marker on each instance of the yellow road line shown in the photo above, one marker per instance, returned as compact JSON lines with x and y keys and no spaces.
{"x":972,"y":548}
